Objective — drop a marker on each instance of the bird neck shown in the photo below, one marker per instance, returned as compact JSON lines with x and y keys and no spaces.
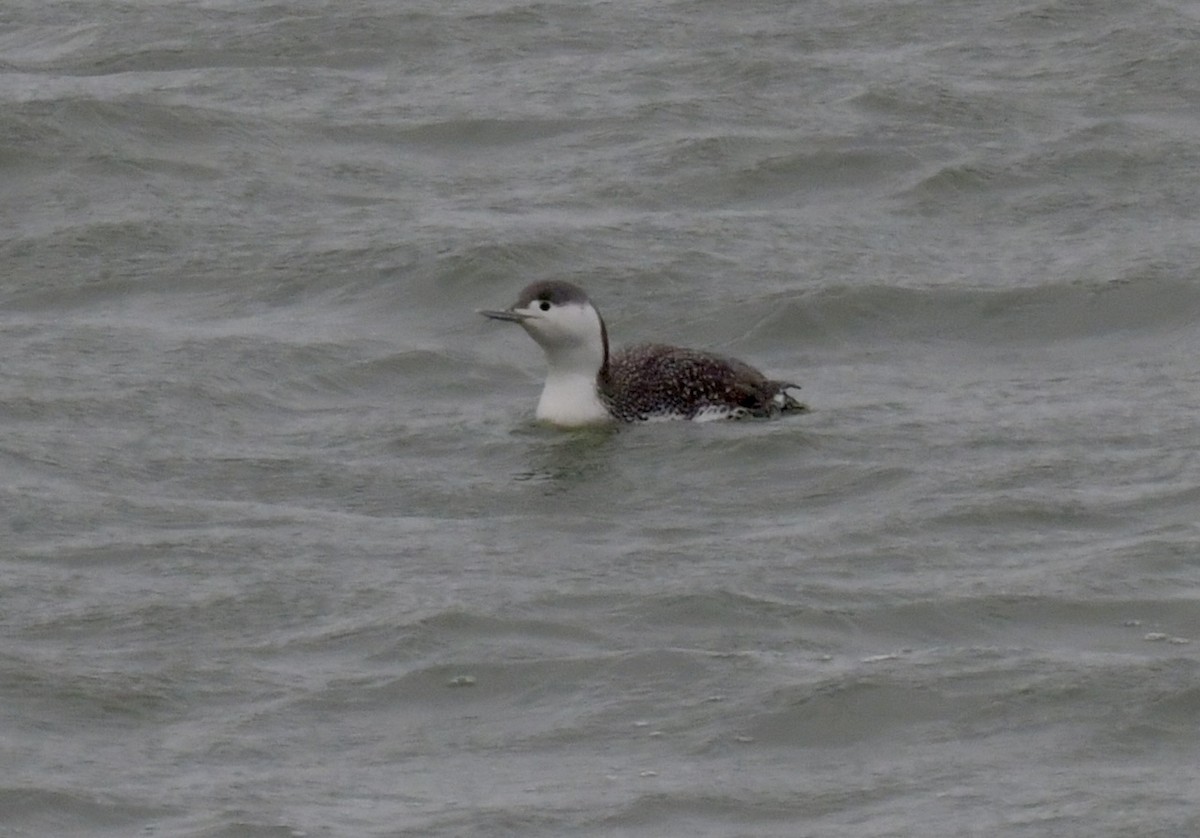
{"x":571,"y":394}
{"x":570,"y":399}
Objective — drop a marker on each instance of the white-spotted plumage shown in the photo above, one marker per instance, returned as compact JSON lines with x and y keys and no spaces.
{"x":586,"y":385}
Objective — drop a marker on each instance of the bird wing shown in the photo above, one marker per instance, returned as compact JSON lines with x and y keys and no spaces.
{"x":643,"y":378}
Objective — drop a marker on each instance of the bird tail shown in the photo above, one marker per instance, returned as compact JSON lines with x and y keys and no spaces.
{"x":785,"y":400}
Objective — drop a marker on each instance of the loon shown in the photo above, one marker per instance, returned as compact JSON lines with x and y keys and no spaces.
{"x":586,"y":384}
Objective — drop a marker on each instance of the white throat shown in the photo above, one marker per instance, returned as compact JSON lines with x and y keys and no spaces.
{"x":574,"y":356}
{"x":570,"y":398}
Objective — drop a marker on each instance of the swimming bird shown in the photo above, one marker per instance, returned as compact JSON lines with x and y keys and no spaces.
{"x":586,"y":384}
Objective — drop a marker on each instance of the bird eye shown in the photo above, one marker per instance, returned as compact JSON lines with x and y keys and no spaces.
{"x":544,"y":305}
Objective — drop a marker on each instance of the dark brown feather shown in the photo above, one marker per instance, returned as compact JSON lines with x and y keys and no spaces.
{"x":650,"y":380}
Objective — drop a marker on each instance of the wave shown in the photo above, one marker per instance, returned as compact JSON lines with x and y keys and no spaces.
{"x":1044,"y":314}
{"x":48,"y":811}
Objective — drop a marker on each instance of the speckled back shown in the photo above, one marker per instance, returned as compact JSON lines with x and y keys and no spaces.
{"x":653,"y":380}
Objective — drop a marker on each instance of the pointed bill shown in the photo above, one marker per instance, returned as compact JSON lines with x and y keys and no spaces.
{"x":510,"y":316}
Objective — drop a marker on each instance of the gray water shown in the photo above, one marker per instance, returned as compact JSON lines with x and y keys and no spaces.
{"x":284,"y":553}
